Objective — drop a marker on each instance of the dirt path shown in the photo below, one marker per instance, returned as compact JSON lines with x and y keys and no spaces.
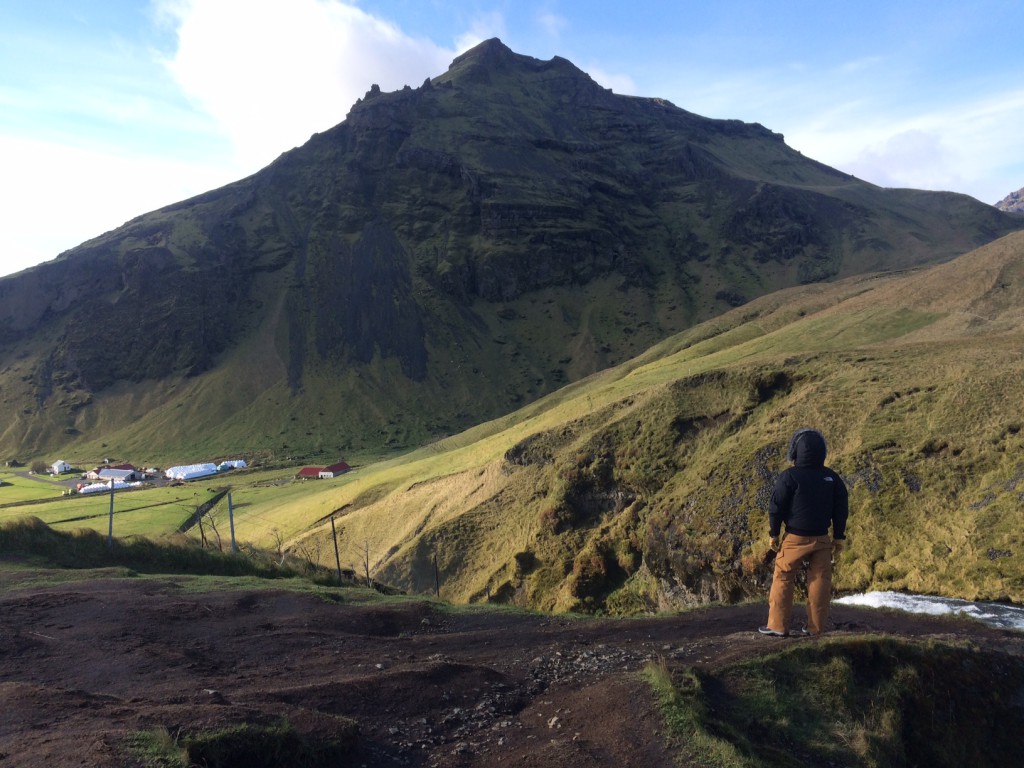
{"x":85,"y":664}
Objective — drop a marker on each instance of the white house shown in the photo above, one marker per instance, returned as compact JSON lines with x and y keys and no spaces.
{"x":59,"y":467}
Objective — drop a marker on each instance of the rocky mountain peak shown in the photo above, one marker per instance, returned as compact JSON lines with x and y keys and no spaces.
{"x":490,"y":52}
{"x":1013,"y":202}
{"x":491,"y":61}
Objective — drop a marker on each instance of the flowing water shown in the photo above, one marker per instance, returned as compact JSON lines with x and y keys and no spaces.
{"x":998,"y":615}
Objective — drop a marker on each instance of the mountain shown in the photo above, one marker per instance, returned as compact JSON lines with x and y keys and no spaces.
{"x":645,"y":487}
{"x":1013,"y":202}
{"x":443,"y":256}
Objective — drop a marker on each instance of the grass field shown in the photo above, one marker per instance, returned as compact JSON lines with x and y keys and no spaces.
{"x":16,"y":489}
{"x":257,"y":497}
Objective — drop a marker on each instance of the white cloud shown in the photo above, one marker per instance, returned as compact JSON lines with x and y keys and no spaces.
{"x":273,"y":72}
{"x":969,"y":146}
{"x":914,"y":154}
{"x":552,"y":24}
{"x":66,"y":195}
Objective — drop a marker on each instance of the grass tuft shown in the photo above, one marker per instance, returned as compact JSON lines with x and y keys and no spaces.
{"x":157,"y":748}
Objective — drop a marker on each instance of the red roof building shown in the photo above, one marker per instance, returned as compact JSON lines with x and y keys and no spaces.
{"x":309,"y":472}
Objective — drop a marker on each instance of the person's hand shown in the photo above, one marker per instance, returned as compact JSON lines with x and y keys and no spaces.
{"x":774,"y":543}
{"x":838,"y":545}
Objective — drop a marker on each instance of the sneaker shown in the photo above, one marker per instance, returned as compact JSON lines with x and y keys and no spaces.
{"x":803,"y":631}
{"x":772,"y":632}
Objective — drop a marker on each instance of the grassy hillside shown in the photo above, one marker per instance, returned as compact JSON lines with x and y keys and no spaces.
{"x":645,"y":486}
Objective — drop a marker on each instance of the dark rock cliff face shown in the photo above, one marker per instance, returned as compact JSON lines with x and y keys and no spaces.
{"x":361,"y":301}
{"x":505,"y":227}
{"x":133,"y":315}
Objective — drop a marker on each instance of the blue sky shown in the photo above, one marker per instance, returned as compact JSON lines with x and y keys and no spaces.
{"x":112,"y":108}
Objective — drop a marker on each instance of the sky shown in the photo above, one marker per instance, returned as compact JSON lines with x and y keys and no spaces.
{"x":113,"y":108}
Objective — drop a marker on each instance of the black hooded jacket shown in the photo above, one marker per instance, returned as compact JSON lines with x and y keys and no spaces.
{"x":808,"y":497}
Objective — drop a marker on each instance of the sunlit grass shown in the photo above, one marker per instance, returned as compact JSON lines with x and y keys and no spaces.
{"x":17,"y":488}
{"x":144,"y":511}
{"x":921,"y":419}
{"x":877,"y":398}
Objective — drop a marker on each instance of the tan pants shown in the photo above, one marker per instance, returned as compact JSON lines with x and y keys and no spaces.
{"x":817,"y":551}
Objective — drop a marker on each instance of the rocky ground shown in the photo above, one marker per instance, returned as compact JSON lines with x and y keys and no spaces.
{"x":85,"y":665}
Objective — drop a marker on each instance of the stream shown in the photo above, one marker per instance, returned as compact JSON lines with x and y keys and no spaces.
{"x":1000,"y":615}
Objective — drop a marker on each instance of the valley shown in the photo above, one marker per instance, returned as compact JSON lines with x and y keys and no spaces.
{"x":505,"y":365}
{"x":642,"y":487}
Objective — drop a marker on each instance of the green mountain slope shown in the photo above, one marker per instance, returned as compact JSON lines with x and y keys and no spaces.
{"x":445,"y":255}
{"x":645,"y":486}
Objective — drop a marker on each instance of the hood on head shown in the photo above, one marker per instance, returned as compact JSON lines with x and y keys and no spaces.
{"x":807,"y":448}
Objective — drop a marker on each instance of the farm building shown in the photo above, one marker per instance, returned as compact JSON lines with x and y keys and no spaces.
{"x":309,"y":473}
{"x":190,"y":471}
{"x":59,"y":467}
{"x":124,"y":472}
{"x":334,"y":470}
{"x":118,"y":475}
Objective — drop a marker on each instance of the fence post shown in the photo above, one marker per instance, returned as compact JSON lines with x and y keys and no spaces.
{"x":231,"y":521}
{"x":437,"y":580}
{"x":337,"y":557}
{"x":366,"y":562}
{"x":110,"y":527}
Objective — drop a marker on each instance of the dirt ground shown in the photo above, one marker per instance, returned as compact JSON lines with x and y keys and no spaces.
{"x":84,"y":665}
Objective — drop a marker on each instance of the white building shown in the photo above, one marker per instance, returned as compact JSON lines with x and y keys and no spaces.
{"x":59,"y":467}
{"x":334,"y":470}
{"x":190,"y":471}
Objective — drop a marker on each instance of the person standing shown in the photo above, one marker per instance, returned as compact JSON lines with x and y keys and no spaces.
{"x":809,"y":498}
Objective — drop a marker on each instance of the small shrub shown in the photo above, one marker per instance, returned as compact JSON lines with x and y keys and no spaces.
{"x":157,"y":748}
